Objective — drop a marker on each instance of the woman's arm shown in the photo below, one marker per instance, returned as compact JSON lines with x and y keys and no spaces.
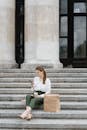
{"x":35,"y":82}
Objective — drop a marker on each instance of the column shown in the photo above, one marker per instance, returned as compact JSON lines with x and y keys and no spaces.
{"x":42,"y":32}
{"x":7,"y":34}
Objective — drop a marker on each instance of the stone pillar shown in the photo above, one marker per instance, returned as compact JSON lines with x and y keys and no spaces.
{"x":7,"y":34}
{"x":42,"y":32}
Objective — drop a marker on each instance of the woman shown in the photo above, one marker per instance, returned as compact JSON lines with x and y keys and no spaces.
{"x":41,"y":85}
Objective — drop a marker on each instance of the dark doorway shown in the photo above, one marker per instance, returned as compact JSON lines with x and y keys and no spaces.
{"x":73,"y":33}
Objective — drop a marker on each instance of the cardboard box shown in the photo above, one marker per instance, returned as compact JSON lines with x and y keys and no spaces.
{"x":52,"y":103}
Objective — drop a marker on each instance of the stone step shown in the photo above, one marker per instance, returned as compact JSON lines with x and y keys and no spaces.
{"x":77,"y":98}
{"x":15,"y":85}
{"x":63,"y":114}
{"x":32,"y":66}
{"x":64,"y":70}
{"x":49,"y":74}
{"x":14,"y":97}
{"x":56,"y":91}
{"x":71,"y":84}
{"x":50,"y":124}
{"x":64,"y":105}
{"x":43,"y":129}
{"x":53,"y":80}
{"x":37,"y":129}
{"x":54,"y":85}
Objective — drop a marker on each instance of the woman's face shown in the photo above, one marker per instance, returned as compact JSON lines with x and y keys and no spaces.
{"x":39,"y":73}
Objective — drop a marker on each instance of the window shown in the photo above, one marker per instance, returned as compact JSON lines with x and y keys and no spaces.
{"x":79,"y":7}
{"x":63,"y":28}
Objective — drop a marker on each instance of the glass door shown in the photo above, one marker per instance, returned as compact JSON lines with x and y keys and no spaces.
{"x":79,"y":37}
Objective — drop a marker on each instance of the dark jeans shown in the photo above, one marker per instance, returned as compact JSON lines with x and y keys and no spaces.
{"x":33,"y":102}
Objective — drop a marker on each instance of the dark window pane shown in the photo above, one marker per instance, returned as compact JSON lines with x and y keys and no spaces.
{"x":79,"y":37}
{"x":63,"y":48}
{"x":80,"y":7}
{"x":63,"y":28}
{"x":63,"y":7}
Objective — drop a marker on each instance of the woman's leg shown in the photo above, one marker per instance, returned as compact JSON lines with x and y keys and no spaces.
{"x":28,"y":109}
{"x":35,"y":103}
{"x":28,"y":99}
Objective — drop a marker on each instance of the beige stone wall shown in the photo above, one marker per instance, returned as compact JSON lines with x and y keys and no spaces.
{"x":41,"y":31}
{"x":7,"y":34}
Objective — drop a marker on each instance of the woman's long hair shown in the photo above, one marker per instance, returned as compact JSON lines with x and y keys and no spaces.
{"x":40,"y":68}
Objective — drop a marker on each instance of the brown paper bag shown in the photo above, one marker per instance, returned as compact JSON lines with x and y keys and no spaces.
{"x":52,"y":103}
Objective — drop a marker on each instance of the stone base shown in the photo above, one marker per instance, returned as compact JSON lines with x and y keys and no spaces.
{"x":57,"y":65}
{"x":45,"y":65}
{"x":33,"y":66}
{"x":8,"y":66}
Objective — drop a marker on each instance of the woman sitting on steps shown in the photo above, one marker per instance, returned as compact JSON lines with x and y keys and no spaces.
{"x":41,"y":86}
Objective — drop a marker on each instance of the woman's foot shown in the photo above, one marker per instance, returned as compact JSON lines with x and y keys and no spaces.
{"x":29,"y":116}
{"x":24,"y":114}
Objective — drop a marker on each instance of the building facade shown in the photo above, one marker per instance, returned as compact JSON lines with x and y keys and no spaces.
{"x":55,"y":32}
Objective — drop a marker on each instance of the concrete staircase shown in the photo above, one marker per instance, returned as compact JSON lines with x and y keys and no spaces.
{"x":71,"y":84}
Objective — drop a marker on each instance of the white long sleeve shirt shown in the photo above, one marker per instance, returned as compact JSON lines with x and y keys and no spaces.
{"x":39,"y":86}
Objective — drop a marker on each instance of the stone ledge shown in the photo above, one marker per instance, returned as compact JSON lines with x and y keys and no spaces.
{"x":64,"y":114}
{"x":64,"y":105}
{"x":75,"y":124}
{"x":8,"y":66}
{"x":34,"y":65}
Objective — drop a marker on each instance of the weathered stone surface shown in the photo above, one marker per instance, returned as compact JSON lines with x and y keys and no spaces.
{"x":49,"y":124}
{"x":73,"y":95}
{"x":7,"y":34}
{"x":42,"y":31}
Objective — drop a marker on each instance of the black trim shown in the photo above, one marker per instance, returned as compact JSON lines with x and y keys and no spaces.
{"x":79,"y":1}
{"x":70,"y":31}
{"x":63,"y":36}
{"x":86,"y":31}
{"x":19,"y":32}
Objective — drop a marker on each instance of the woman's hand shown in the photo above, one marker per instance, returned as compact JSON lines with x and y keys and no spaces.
{"x":36,"y":94}
{"x":40,"y":96}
